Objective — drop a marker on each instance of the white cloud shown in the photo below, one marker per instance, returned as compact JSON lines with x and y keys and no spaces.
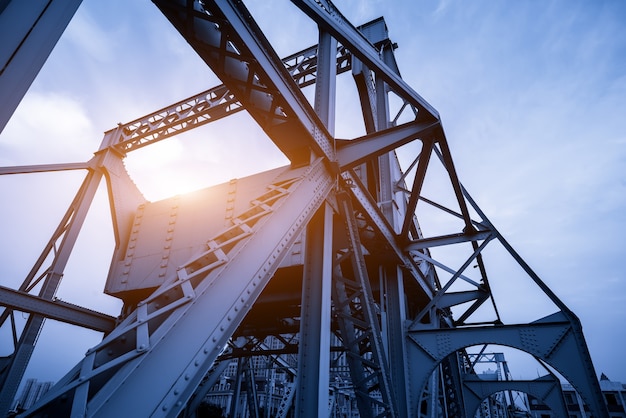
{"x":90,"y":38}
{"x":48,"y":128}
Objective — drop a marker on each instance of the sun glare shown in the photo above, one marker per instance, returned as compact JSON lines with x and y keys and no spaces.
{"x":162,"y":170}
{"x":189,"y":162}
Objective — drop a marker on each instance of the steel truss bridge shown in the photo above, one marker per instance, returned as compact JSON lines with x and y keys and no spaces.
{"x":320,"y":267}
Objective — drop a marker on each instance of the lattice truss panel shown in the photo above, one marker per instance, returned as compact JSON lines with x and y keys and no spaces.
{"x":316,"y":277}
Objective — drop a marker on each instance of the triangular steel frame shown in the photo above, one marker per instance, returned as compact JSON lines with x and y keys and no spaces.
{"x":400,"y":319}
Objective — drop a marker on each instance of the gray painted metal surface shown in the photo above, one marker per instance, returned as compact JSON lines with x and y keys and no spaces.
{"x":546,"y":390}
{"x":326,"y":256}
{"x":29,"y":31}
{"x":57,"y":309}
{"x":313,"y":376}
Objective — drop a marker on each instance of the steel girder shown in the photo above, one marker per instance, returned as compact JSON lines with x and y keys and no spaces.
{"x":28,"y":31}
{"x":56,"y":309}
{"x":43,"y":168}
{"x":142,"y":347}
{"x":453,"y":395}
{"x":359,"y":325}
{"x":214,"y":104}
{"x":226,"y":37}
{"x":326,"y":14}
{"x":45,"y":279}
{"x":546,"y":389}
{"x":552,"y":339}
{"x":315,"y":311}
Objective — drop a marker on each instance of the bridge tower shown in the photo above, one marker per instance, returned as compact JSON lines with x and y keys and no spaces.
{"x":317,"y":276}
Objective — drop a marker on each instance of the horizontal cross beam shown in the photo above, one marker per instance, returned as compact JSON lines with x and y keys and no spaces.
{"x":351,"y":153}
{"x":57,"y":310}
{"x":42,"y":168}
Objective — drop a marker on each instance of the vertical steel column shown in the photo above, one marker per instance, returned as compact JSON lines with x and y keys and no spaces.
{"x":392,"y":279}
{"x":314,"y":348}
{"x":357,"y":317}
{"x":325,"y":83}
{"x":251,"y":392}
{"x":234,"y":401}
{"x":385,"y":182}
{"x":314,"y":345}
{"x":29,"y":30}
{"x":396,"y":339}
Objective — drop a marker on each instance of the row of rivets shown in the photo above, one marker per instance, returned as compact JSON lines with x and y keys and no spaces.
{"x":132,"y":243}
{"x":243,"y":301}
{"x":230,"y":199}
{"x":168,"y":238}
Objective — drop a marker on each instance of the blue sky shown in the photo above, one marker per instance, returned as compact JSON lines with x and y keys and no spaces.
{"x":532,"y":96}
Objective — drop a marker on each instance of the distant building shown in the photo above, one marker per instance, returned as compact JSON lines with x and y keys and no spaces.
{"x":614,"y":396}
{"x":32,"y":391}
{"x":516,"y":404}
